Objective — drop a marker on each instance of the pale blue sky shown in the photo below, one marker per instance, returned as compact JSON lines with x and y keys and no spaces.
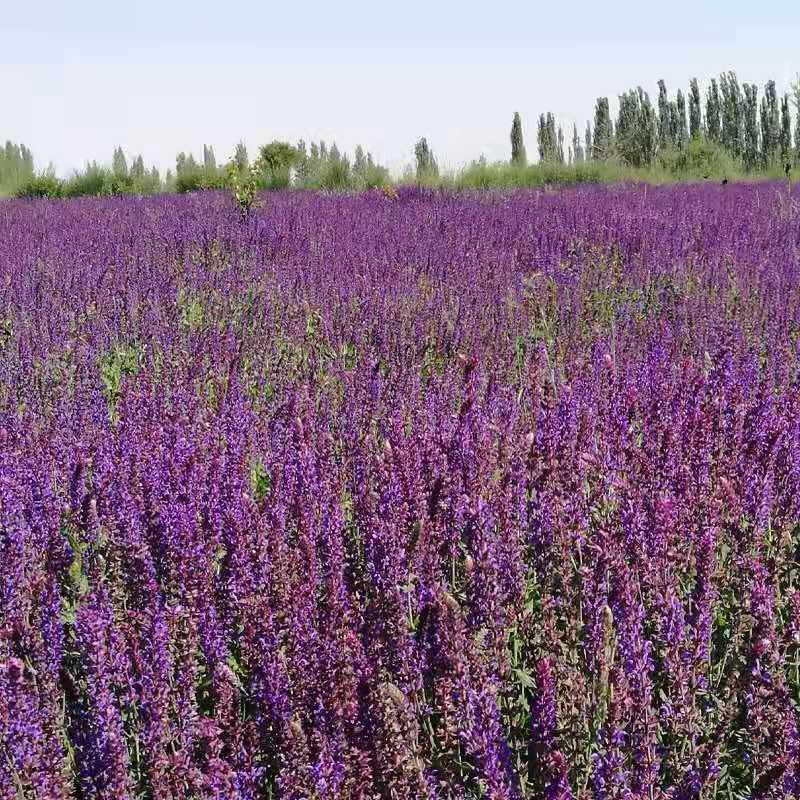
{"x":80,"y":77}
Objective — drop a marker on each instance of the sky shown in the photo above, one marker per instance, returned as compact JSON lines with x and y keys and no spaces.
{"x":78,"y":78}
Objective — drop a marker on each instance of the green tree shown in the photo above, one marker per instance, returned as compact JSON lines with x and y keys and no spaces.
{"x":551,"y":147}
{"x":137,"y":167}
{"x":518,"y":155}
{"x":770,"y":125}
{"x":240,"y":157}
{"x":750,"y":153}
{"x":664,"y":117}
{"x":603,"y":145}
{"x":275,"y":162}
{"x":786,"y":131}
{"x":681,"y":131}
{"x":695,"y":118}
{"x":577,"y":149}
{"x":359,"y":161}
{"x":796,"y":103}
{"x":587,"y":141}
{"x":209,"y":161}
{"x":119,"y":164}
{"x":426,"y":161}
{"x":637,"y":128}
{"x":732,"y":113}
{"x":713,"y":112}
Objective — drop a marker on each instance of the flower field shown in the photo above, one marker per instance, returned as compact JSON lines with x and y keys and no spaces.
{"x":426,"y":496}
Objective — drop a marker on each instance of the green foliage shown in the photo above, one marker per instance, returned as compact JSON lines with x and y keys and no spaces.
{"x":750,"y":153}
{"x":713,"y":129}
{"x":550,"y":139}
{"x":260,"y":482}
{"x":121,"y":361}
{"x":481,"y":175}
{"x":603,"y":144}
{"x":193,"y":177}
{"x":191,"y":311}
{"x":16,"y":167}
{"x":244,"y":185}
{"x":695,"y":119}
{"x":40,"y":186}
{"x":518,"y":155}
{"x":636,"y":129}
{"x":274,"y":164}
{"x":427,"y":166}
{"x":699,"y":159}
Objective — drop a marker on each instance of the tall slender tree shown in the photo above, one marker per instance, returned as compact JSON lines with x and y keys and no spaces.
{"x":786,"y":131}
{"x":587,"y":140}
{"x":240,"y":157}
{"x":770,"y":124}
{"x":664,"y":117}
{"x":603,"y":145}
{"x":796,"y":103}
{"x":713,"y":112}
{"x":732,"y":113}
{"x":137,"y":167}
{"x":209,"y":160}
{"x":682,"y":133}
{"x":518,"y":156}
{"x":637,"y":128}
{"x":750,"y":153}
{"x":695,"y":117}
{"x":119,"y":164}
{"x":550,"y":139}
{"x":426,"y":161}
{"x":577,"y":148}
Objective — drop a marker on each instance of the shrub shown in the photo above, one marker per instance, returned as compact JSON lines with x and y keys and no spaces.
{"x":699,"y":159}
{"x":199,"y":180}
{"x":46,"y":185}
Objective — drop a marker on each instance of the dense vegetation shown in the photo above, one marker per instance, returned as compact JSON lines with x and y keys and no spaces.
{"x":726,"y":135}
{"x":401,"y":495}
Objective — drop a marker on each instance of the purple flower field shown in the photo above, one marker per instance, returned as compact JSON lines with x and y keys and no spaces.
{"x":446,"y":496}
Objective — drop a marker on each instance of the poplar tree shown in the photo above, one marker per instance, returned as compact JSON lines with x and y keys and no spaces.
{"x":577,"y":149}
{"x":550,"y":139}
{"x":732,"y":113}
{"x":603,"y":131}
{"x":664,"y":119}
{"x":587,"y":140}
{"x":695,"y":118}
{"x":770,"y":124}
{"x":682,"y":134}
{"x":360,"y":161}
{"x":119,"y":164}
{"x":786,"y":131}
{"x":713,"y":112}
{"x":796,"y":103}
{"x":209,"y":161}
{"x":750,"y":153}
{"x":518,"y":155}
{"x":637,"y":128}
{"x":137,"y":167}
{"x":426,"y":161}
{"x":240,"y":157}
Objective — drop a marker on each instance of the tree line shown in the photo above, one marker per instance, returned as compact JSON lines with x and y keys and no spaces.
{"x":756,"y":133}
{"x":277,"y":165}
{"x":732,"y":128}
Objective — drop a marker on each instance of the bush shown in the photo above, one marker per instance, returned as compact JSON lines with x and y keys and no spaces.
{"x":699,"y":159}
{"x":335,"y":176}
{"x":40,"y":186}
{"x":199,"y":181}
